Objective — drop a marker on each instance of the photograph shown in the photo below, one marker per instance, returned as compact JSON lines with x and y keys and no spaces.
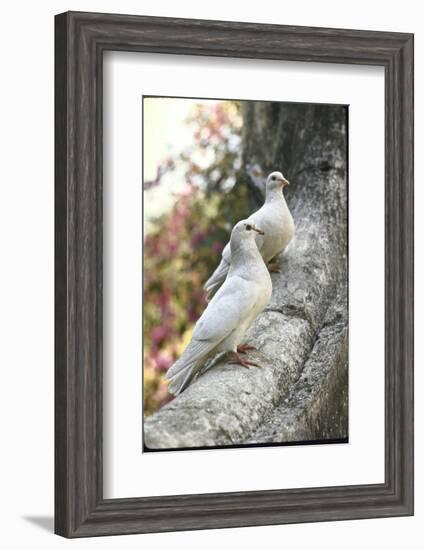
{"x":245,"y":273}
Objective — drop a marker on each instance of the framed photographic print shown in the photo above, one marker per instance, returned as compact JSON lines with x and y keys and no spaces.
{"x":234,"y":274}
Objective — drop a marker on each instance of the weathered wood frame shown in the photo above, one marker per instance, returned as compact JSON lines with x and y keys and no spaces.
{"x":80,"y":40}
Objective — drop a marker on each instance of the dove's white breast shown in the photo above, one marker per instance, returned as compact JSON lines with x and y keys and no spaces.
{"x":276,"y":222}
{"x":260,"y":290}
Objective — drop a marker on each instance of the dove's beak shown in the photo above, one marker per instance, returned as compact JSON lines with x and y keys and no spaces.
{"x":285,"y":182}
{"x":258,"y":230}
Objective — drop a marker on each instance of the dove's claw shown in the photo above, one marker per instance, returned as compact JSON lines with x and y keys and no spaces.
{"x":242,"y":362}
{"x":252,"y":364}
{"x":244,"y":348}
{"x":235,"y":362}
{"x":272,"y":268}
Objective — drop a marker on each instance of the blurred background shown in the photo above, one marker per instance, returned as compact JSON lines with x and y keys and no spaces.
{"x":191,"y":162}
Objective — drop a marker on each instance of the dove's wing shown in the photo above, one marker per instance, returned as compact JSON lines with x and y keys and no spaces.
{"x":182,"y":371}
{"x":229,"y":307}
{"x":220,"y":273}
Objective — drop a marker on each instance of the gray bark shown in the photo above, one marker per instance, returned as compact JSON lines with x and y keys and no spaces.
{"x":300,"y":393}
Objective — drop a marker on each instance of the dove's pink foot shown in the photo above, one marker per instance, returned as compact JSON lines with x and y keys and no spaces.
{"x":244,"y":348}
{"x":240,"y":361}
{"x":273,"y":268}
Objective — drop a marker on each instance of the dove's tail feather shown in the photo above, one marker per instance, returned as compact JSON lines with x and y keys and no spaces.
{"x":216,"y":279}
{"x":182,"y":371}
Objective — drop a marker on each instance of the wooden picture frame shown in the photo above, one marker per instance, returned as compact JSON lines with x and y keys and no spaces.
{"x":80,"y":40}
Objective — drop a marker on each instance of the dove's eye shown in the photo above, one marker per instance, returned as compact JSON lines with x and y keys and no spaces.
{"x":248,"y":227}
{"x":273,"y":178}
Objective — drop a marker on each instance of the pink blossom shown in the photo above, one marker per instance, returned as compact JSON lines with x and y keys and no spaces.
{"x":164,"y":299}
{"x":158,"y":334}
{"x":163,"y":361}
{"x":172,"y":246}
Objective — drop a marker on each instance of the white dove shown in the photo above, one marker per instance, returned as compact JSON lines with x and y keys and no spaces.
{"x":245,"y":293}
{"x":274,"y":219}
